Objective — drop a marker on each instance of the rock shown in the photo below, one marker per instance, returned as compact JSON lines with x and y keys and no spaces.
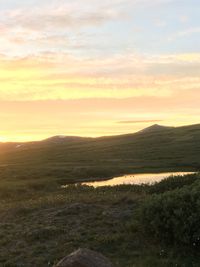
{"x":84,"y":258}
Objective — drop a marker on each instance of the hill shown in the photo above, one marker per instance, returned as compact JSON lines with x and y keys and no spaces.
{"x":154,"y":149}
{"x":155,"y":127}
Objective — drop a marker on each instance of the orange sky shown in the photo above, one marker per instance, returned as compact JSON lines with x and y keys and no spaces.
{"x":57,"y":94}
{"x":65,"y":69}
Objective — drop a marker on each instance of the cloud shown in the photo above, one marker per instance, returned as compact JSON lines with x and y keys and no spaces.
{"x":59,"y":17}
{"x":62,"y":76}
{"x":139,"y":121}
{"x":71,"y":14}
{"x":76,"y":62}
{"x":39,"y":22}
{"x":56,"y":26}
{"x":30,"y":120}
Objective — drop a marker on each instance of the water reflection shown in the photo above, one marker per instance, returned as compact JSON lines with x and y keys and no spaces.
{"x":145,"y":178}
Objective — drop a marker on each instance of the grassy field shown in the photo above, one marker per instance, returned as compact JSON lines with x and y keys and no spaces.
{"x":40,"y":222}
{"x":38,"y":227}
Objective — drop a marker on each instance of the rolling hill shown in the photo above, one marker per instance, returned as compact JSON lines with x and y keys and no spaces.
{"x":157,"y":148}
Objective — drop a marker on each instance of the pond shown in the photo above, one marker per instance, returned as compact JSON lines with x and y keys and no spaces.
{"x":143,"y":178}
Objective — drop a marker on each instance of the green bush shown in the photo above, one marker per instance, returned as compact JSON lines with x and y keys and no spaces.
{"x":173,"y":182}
{"x":174,"y":217}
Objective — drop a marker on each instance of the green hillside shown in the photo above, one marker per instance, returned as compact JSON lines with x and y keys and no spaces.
{"x":155,"y":149}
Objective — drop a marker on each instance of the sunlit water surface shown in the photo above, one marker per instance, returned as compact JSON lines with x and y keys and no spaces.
{"x":145,"y":178}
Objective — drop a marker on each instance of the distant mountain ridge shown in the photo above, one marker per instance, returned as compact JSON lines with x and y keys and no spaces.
{"x":61,"y":138}
{"x":66,"y":138}
{"x":156,"y":148}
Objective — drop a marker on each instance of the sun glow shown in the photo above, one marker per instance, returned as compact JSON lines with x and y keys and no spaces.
{"x":66,"y":69}
{"x":3,"y":139}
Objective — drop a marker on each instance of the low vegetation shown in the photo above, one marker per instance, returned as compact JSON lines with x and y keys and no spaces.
{"x":174,"y":217}
{"x":142,"y":226}
{"x":132,"y":225}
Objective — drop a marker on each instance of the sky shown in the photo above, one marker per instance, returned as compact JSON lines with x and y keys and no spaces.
{"x":93,"y":68}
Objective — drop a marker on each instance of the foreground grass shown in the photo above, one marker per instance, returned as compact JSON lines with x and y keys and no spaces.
{"x":39,"y":225}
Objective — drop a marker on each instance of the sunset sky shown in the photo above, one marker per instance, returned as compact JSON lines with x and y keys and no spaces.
{"x":92,"y":68}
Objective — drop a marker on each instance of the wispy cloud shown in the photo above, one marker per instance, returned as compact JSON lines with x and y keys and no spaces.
{"x":29,"y":27}
{"x":59,"y":17}
{"x":82,"y":62}
{"x":139,"y":121}
{"x":61,"y":76}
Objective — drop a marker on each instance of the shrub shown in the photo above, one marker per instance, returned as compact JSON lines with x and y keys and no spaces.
{"x":174,"y":217}
{"x":173,"y":182}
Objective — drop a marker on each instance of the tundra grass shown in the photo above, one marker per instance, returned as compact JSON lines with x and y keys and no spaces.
{"x":40,"y":224}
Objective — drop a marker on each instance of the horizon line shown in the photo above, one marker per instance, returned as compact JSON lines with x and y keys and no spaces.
{"x":92,"y":137}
